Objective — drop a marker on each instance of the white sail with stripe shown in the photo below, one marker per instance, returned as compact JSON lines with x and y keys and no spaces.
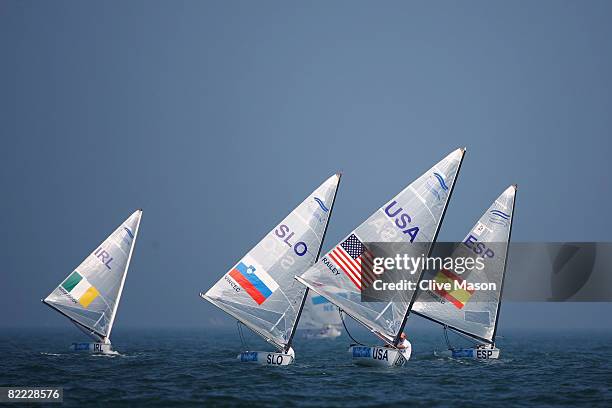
{"x":259,"y":290}
{"x":474,"y":312}
{"x":413,"y":216}
{"x":90,"y":295}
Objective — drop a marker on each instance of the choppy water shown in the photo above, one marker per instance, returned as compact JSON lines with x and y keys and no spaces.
{"x":198,"y":367}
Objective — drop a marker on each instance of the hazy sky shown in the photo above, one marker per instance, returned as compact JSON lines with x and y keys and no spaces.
{"x":217,"y":118}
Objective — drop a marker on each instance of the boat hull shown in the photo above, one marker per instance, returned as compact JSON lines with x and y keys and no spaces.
{"x":377,"y":356}
{"x":94,"y":348}
{"x":471,"y":353}
{"x":266,"y":358}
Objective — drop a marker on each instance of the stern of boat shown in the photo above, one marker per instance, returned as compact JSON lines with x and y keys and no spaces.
{"x":266,"y":358}
{"x":377,"y":356}
{"x":94,"y":348}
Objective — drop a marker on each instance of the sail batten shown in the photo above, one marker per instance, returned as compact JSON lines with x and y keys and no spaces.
{"x":90,"y":295}
{"x":259,"y":291}
{"x":411,"y":217}
{"x":475,"y":314}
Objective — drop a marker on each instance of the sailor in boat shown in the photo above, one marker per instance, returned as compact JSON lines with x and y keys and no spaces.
{"x":404,"y":346}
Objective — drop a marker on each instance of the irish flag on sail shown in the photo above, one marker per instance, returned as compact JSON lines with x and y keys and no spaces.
{"x":254,"y":280}
{"x":79,"y":289}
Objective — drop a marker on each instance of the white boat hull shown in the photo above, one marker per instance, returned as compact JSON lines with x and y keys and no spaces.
{"x":266,"y":358}
{"x":95,"y":348}
{"x":471,"y":353}
{"x":377,"y":356}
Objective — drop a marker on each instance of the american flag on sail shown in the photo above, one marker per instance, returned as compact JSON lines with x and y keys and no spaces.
{"x":354,"y":260}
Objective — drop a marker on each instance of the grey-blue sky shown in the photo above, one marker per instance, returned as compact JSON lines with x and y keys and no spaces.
{"x":217,"y":118}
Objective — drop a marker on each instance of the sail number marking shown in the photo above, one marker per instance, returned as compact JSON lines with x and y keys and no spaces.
{"x":104,"y":257}
{"x":284,"y":232}
{"x":479,"y":248}
{"x":274,"y":359}
{"x":484,"y":354}
{"x":375,"y":353}
{"x":402,"y":220}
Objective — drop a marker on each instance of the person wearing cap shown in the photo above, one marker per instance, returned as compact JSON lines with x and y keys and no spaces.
{"x":404,"y":346}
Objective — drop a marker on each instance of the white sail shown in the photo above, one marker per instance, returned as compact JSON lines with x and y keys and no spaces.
{"x":413,"y":216}
{"x":260,"y":290}
{"x":474,"y":313}
{"x":319,"y":313}
{"x":90,"y":295}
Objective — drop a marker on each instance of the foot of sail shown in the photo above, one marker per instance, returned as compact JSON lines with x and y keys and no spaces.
{"x":267,"y":358}
{"x":377,"y":356}
{"x":95,"y":348}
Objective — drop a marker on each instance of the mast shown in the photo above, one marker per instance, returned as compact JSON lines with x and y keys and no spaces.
{"x":127,"y":266}
{"x":501,"y":289}
{"x":301,"y":309}
{"x":405,"y":319}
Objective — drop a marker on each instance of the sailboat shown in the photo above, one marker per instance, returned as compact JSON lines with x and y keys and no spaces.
{"x":90,"y":295}
{"x":320,"y":319}
{"x":474,"y":314}
{"x":259,"y":290}
{"x":413,"y":217}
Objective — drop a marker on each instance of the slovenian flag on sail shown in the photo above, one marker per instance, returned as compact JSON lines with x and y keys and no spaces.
{"x":457,"y":296}
{"x":79,"y":288}
{"x":254,"y":280}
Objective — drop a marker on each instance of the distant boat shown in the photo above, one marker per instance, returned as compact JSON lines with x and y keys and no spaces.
{"x":412,"y":217}
{"x":260,"y":292}
{"x":329,"y":331}
{"x":90,"y":295}
{"x":474,"y":314}
{"x":320,"y":319}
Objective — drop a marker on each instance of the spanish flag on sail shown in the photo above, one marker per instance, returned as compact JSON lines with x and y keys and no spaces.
{"x":457,"y":296}
{"x":79,"y":288}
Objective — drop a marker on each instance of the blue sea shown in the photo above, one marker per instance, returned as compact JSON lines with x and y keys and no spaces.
{"x":199,"y":368}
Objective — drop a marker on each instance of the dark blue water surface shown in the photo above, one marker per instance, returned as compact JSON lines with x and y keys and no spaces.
{"x":198,"y":367}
